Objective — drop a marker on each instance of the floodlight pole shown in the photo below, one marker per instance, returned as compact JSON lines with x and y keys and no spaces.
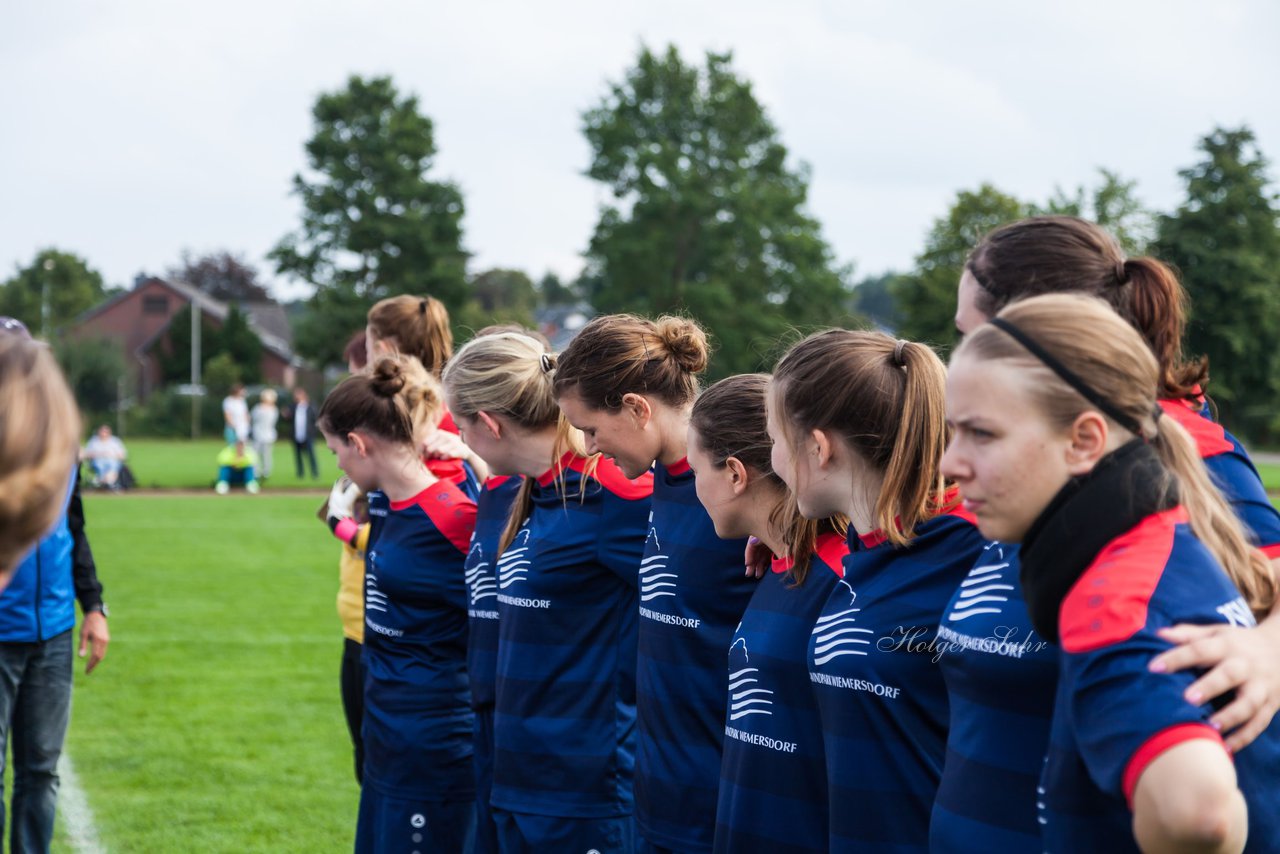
{"x":195,"y":369}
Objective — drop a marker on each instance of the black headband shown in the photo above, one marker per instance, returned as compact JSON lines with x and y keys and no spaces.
{"x":1068,"y":376}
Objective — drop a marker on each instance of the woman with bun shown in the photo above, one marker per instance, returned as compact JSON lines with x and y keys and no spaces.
{"x":773,"y":779}
{"x":1060,"y":445}
{"x":417,"y":790}
{"x":564,"y":587}
{"x":629,"y":384}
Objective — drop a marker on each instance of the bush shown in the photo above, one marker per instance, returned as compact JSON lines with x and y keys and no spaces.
{"x":167,"y":415}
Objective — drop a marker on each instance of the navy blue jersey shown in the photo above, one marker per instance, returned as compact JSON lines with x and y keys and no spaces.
{"x":417,"y":715}
{"x":1000,"y":679}
{"x":564,"y":721}
{"x":773,"y":779}
{"x":693,"y":589}
{"x":1113,"y":716}
{"x":492,"y":509}
{"x":1232,"y":472}
{"x":874,"y":668}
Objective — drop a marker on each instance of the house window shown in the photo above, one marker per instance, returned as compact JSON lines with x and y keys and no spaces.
{"x":155,"y":304}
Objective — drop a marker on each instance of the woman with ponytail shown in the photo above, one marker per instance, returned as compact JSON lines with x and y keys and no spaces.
{"x":773,"y":779}
{"x":564,"y":588}
{"x":858,"y":428}
{"x":1000,"y":674}
{"x":629,"y":384}
{"x":1060,"y":445}
{"x":417,"y":789}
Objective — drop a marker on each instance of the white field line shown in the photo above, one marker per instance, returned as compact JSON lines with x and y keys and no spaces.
{"x":76,"y":814}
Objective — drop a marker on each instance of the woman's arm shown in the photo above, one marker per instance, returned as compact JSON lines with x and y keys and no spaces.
{"x":1186,"y":799}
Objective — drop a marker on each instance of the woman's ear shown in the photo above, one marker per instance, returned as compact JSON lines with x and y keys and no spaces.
{"x":1089,"y":435}
{"x":739,"y":475}
{"x":358,"y":442}
{"x":823,"y":448}
{"x":638,"y":406}
{"x":491,"y":424}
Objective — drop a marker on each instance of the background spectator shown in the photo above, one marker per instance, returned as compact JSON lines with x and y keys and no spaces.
{"x":237,"y":464}
{"x":105,"y":454}
{"x":304,"y":431}
{"x":263,"y":419}
{"x":235,"y":412}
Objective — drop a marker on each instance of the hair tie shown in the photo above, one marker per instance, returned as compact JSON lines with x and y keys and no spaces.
{"x":1069,"y":376}
{"x":1122,"y":272}
{"x":548,"y":364}
{"x":898,"y":352}
{"x":422,"y":306}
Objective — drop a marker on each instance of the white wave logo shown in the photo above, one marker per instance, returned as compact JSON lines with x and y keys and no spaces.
{"x":481,"y":583}
{"x":514,"y":564}
{"x":835,"y":634}
{"x":374,"y":600}
{"x":984,"y":590}
{"x":654,"y":583}
{"x":745,"y":695}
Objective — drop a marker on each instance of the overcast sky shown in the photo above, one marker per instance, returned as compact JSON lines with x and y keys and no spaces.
{"x":133,"y":130}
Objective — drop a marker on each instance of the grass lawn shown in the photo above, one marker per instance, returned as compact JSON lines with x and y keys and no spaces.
{"x":190,"y":464}
{"x":215,"y":724}
{"x":1270,"y":476}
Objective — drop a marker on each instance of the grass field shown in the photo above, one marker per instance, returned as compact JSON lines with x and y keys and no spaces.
{"x":189,"y":464}
{"x":214,"y":724}
{"x":1270,"y":476}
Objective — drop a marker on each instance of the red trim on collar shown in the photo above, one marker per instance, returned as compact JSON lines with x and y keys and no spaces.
{"x":680,"y":466}
{"x":780,"y":565}
{"x":570,"y":461}
{"x":496,"y":480}
{"x":831,"y":550}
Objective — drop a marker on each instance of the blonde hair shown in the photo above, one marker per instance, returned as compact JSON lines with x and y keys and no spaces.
{"x":39,"y":438}
{"x":1095,"y":343}
{"x":396,"y":400}
{"x":414,"y":326}
{"x":620,"y":354}
{"x":509,"y":374}
{"x":886,"y":399}
{"x":267,"y":395}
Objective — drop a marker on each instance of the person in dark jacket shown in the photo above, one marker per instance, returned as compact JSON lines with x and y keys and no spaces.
{"x":302,"y":423}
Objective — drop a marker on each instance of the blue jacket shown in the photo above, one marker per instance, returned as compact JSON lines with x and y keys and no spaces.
{"x":39,"y":602}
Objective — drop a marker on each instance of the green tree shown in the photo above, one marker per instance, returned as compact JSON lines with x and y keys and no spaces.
{"x":232,"y":339}
{"x":373,"y":224}
{"x":62,"y":281}
{"x":1112,"y":204}
{"x":874,"y":298}
{"x":1225,"y":240}
{"x":552,"y":290}
{"x":926,"y":297}
{"x":498,"y":296}
{"x":707,"y":218}
{"x":94,"y":368}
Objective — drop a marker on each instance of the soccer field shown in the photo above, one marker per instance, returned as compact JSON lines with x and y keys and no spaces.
{"x":214,"y":724}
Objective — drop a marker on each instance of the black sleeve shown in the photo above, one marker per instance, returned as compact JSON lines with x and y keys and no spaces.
{"x":84,"y":572}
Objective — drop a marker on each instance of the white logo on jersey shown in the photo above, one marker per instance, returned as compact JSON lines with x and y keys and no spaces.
{"x":481,"y":582}
{"x":835,"y":635}
{"x":982,"y":591}
{"x":653,"y":581}
{"x":373,"y":599}
{"x":745,"y":695}
{"x":1237,"y":613}
{"x":513,"y":566}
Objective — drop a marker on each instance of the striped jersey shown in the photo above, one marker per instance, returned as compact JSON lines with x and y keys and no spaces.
{"x":564,"y":718}
{"x":874,"y":667}
{"x":693,"y":590}
{"x":1112,"y":715}
{"x":492,"y":508}
{"x":417,"y":716}
{"x":773,"y":779}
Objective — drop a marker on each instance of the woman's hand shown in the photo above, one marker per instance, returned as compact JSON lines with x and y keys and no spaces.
{"x":1246,"y":660}
{"x":757,"y":558}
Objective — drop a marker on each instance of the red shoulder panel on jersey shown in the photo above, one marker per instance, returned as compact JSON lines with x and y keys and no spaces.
{"x":496,"y":480}
{"x":831,"y":550}
{"x":448,"y":470}
{"x":1209,"y":437}
{"x":612,"y":479}
{"x":1159,"y":743}
{"x":453,"y":513}
{"x":780,"y":565}
{"x":1108,"y":603}
{"x":679,"y":467}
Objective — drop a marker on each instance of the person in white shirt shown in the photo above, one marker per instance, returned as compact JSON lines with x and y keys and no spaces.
{"x":105,"y":454}
{"x":263,"y":419}
{"x":235,"y":414}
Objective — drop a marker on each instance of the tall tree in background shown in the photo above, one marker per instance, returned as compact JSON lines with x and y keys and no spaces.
{"x":373,"y":224}
{"x":498,"y":296}
{"x":1225,"y":241}
{"x":1112,"y":204}
{"x":221,"y":275}
{"x":926,"y":297}
{"x":707,"y":218}
{"x":62,"y":282}
{"x":234,"y":342}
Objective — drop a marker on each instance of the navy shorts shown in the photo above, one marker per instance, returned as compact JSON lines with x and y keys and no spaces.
{"x":523,"y":833}
{"x":389,"y":825}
